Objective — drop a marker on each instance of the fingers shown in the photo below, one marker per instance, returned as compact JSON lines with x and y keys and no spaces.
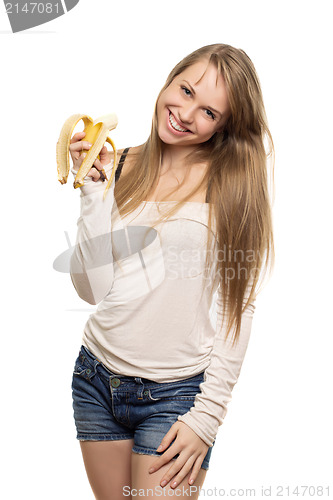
{"x":93,"y":172}
{"x":76,"y":149}
{"x":77,"y":137}
{"x":167,"y":456}
{"x":78,"y":161}
{"x":96,"y":171}
{"x":169,"y":437}
{"x":172,"y":475}
{"x":105,"y":156}
{"x":96,"y":176}
{"x":80,"y":146}
{"x":98,"y":164}
{"x":179,"y":469}
{"x":191,"y":450}
{"x":170,"y":453}
{"x":103,"y":153}
{"x":77,"y":146}
{"x":195,"y":469}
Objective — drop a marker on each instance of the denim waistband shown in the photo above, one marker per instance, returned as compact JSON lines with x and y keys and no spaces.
{"x":127,"y":378}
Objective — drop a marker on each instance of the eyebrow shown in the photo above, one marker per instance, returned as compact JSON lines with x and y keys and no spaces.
{"x":208,"y":107}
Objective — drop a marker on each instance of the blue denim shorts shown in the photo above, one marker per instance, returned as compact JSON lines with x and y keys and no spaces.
{"x":109,"y":406}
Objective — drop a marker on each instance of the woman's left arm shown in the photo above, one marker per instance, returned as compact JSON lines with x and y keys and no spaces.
{"x":196,"y":430}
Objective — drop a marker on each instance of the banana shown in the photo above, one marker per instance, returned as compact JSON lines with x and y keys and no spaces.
{"x":97,"y":134}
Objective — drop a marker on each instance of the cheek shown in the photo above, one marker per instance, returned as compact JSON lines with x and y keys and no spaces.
{"x":160,"y":107}
{"x":172,"y":97}
{"x":207,"y":128}
{"x":164,"y":96}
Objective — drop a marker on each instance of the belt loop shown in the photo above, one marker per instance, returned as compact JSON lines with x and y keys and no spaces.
{"x":96,"y":363}
{"x":139,"y":381}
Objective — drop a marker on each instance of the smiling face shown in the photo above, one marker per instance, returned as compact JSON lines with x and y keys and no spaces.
{"x":193,"y":107}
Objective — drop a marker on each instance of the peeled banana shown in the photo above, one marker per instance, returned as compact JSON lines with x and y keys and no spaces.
{"x":97,"y":134}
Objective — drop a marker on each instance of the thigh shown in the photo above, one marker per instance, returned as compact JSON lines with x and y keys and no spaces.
{"x":108,"y":467}
{"x":106,"y":444}
{"x":163,"y":403}
{"x":141,"y":479}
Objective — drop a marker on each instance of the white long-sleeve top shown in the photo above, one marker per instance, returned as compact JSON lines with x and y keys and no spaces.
{"x":153,"y":316}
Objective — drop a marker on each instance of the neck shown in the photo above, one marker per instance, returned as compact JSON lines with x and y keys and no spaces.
{"x":173,"y":157}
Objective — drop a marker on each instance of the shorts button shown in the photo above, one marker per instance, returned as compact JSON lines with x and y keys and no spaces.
{"x":146,"y":393}
{"x":88,"y":371}
{"x":115,"y":382}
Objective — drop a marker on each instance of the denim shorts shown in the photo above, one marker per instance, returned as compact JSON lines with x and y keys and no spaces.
{"x":109,"y":406}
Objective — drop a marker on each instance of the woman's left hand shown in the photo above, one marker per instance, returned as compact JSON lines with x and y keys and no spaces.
{"x":191,"y":448}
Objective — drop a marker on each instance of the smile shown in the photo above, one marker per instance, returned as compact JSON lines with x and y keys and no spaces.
{"x":174,"y":124}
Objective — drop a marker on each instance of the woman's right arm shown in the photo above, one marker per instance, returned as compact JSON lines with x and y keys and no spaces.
{"x":91,"y":263}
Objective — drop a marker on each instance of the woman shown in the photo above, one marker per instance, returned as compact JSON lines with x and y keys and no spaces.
{"x":191,"y":216}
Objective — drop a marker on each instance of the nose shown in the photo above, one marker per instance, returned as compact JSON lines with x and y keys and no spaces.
{"x":186,"y":113}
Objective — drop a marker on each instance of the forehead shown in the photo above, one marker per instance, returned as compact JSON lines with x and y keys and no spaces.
{"x":199,"y":70}
{"x":207,"y":83}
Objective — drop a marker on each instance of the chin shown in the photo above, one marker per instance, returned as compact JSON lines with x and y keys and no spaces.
{"x":166,"y":137}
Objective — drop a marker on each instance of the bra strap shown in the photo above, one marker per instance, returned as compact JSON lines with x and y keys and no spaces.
{"x":120,"y":164}
{"x":208,"y":192}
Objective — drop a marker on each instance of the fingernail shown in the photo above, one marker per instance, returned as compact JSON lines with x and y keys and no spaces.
{"x":174,"y":484}
{"x":163,"y":483}
{"x":151,"y":470}
{"x":159,"y":448}
{"x":89,"y":144}
{"x":191,"y":481}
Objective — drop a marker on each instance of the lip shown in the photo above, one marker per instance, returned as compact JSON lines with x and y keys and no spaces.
{"x":176,"y":132}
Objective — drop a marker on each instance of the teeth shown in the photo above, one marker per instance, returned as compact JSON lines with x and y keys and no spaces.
{"x":175,"y":124}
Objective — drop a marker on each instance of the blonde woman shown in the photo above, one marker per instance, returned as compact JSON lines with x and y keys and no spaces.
{"x":186,"y":222}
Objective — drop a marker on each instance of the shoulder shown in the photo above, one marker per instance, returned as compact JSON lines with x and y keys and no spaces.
{"x":131,"y":155}
{"x":132,"y":150}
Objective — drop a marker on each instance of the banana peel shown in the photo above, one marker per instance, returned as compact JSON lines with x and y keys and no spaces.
{"x":97,"y":133}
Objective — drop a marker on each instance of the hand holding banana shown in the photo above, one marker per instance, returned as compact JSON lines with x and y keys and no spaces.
{"x":88,"y":153}
{"x":77,"y":149}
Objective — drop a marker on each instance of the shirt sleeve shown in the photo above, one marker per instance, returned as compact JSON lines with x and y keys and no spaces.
{"x":210,"y":405}
{"x":91,"y":263}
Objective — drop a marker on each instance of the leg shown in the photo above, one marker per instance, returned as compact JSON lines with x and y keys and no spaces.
{"x":142,"y":479}
{"x":108,"y":467}
{"x":106,"y":444}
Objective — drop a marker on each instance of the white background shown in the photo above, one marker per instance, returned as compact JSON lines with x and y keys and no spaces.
{"x":107,"y":56}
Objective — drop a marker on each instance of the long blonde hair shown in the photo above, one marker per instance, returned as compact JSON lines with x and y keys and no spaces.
{"x":236,"y":180}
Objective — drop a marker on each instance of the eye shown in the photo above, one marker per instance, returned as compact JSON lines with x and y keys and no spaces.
{"x":186,"y":90}
{"x":210,"y":114}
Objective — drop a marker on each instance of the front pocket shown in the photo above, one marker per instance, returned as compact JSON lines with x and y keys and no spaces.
{"x":172,"y":398}
{"x":78,"y":370}
{"x":174,"y":392}
{"x":83,"y":368}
